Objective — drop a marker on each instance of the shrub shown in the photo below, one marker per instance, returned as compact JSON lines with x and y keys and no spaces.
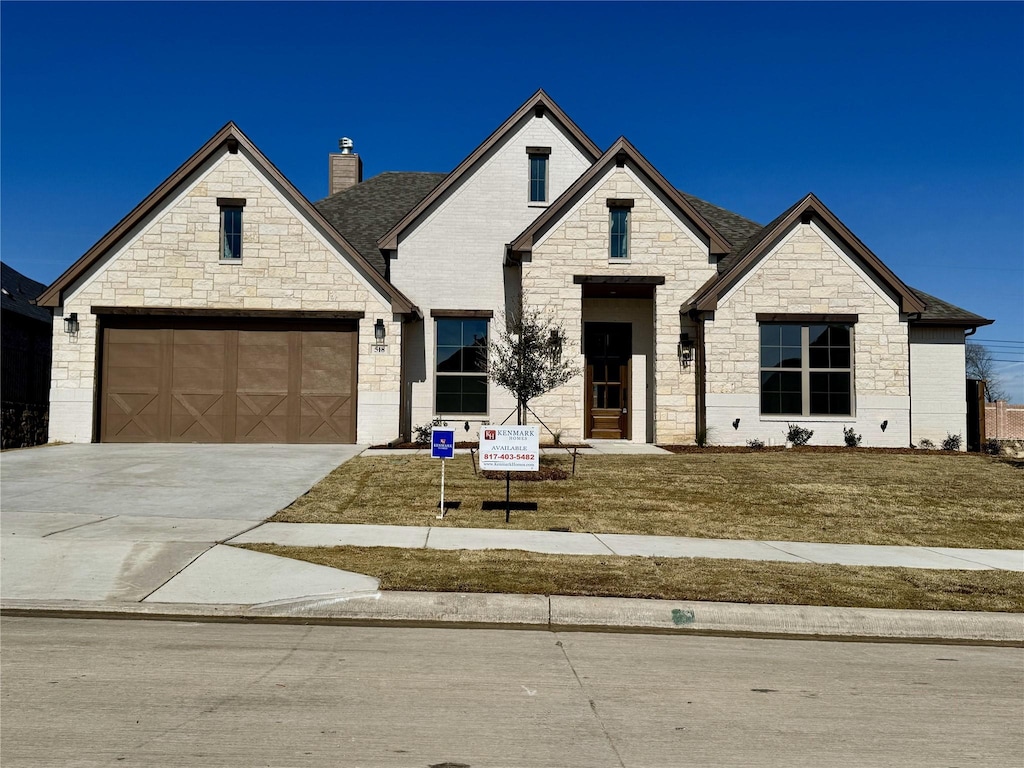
{"x":421,"y":434}
{"x":992,"y":447}
{"x":703,"y":437}
{"x":754,"y":444}
{"x":952,"y":442}
{"x":797,"y":435}
{"x":852,"y":438}
{"x":926,"y":444}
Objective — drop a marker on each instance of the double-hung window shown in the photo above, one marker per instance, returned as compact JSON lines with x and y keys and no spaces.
{"x":461,"y":359}
{"x":230,"y":228}
{"x":538,"y":173}
{"x":618,"y":228}
{"x":806,"y":369}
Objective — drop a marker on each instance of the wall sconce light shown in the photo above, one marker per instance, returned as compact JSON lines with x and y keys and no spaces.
{"x":71,"y":324}
{"x":885,"y":424}
{"x":466,"y":426}
{"x":555,"y":345}
{"x":378,"y":331}
{"x":685,"y":349}
{"x":735,"y":423}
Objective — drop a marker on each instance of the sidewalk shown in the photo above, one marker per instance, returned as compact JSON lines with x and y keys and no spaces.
{"x":552,"y":542}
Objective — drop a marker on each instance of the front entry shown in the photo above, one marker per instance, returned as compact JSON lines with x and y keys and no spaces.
{"x":608,"y":350}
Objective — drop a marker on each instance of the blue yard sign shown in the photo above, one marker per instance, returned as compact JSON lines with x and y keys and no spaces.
{"x":442,"y":443}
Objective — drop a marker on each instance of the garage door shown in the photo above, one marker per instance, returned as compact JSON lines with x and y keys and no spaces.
{"x":228,"y":381}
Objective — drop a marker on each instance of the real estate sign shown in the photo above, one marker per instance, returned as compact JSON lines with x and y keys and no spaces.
{"x":510,"y":449}
{"x":442,"y":443}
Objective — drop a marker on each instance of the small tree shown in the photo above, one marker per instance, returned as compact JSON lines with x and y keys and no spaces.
{"x":525,"y":357}
{"x":980,"y":365}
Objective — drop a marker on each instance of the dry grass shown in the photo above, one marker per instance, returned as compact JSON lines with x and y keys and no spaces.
{"x":857,"y":497}
{"x":739,"y":581}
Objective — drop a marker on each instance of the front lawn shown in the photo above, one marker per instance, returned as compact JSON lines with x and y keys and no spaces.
{"x":737,"y":581}
{"x":857,"y":497}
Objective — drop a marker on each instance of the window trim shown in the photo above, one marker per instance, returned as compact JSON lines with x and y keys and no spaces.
{"x":804,"y":322}
{"x":621,"y":208}
{"x":225,"y":206}
{"x":538,"y":153}
{"x":440,"y":315}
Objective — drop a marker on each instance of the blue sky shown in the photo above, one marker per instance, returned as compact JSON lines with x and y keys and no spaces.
{"x":907,"y":120}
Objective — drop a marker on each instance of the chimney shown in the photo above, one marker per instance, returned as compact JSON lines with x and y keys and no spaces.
{"x":346,"y":168}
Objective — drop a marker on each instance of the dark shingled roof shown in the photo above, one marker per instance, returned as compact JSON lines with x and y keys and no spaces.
{"x":942,"y":312}
{"x":736,"y":229}
{"x":365,"y":212}
{"x":18,"y":292}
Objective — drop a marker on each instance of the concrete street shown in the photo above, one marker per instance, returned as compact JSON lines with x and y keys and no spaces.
{"x":86,"y":692}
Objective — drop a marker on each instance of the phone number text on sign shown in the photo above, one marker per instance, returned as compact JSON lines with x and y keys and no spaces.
{"x":509,"y":449}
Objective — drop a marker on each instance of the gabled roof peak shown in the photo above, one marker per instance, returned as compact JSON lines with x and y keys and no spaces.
{"x":802,"y":211}
{"x":232,"y":136}
{"x":538,"y":101}
{"x":620,"y":152}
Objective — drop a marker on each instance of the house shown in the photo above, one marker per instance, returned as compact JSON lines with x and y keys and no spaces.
{"x":227,"y":307}
{"x":25,"y":330}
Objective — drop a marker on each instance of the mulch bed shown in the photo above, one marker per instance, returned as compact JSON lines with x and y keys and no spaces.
{"x":806,"y":449}
{"x":545,"y":473}
{"x":473,"y":444}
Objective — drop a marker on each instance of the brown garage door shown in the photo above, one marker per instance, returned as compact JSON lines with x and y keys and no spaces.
{"x":228,"y":381}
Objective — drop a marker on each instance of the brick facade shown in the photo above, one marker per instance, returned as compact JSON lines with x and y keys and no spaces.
{"x":1004,"y":421}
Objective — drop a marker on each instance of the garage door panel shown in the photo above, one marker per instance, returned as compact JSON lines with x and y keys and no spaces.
{"x":197,"y":417}
{"x":262,"y":418}
{"x":133,"y":417}
{"x":222,"y":384}
{"x":326,"y":419}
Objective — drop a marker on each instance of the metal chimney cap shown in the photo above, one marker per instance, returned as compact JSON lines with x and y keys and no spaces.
{"x":345,"y":145}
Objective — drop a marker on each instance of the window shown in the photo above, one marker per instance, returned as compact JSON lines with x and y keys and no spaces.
{"x":538,"y":173}
{"x":230,"y":228}
{"x":618,"y":241}
{"x":461,"y":381}
{"x":806,"y":370}
{"x":620,"y":233}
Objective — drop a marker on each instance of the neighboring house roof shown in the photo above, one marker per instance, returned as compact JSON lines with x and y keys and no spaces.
{"x":939,"y":312}
{"x":619,"y":153}
{"x":231,"y":136}
{"x":366,"y":211}
{"x":738,"y":264}
{"x":539,"y":103}
{"x":18,"y":294}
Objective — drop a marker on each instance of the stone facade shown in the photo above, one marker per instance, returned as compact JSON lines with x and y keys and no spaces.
{"x":172,"y":259}
{"x":661,"y":243}
{"x":808,"y":272}
{"x":453,"y":258}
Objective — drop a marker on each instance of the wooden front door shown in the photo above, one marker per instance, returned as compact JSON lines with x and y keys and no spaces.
{"x":608,"y":350}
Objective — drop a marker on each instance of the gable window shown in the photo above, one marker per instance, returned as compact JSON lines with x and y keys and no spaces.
{"x":230,"y":228}
{"x":461,"y":360}
{"x":538,"y":173}
{"x":806,"y":369}
{"x":619,"y":229}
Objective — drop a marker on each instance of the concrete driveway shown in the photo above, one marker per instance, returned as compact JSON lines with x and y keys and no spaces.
{"x":116,"y":522}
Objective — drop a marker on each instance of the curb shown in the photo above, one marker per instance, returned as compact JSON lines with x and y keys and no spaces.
{"x":565,"y":613}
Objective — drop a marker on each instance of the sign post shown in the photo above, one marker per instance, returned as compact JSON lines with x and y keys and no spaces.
{"x":442,"y":446}
{"x":509,"y":449}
